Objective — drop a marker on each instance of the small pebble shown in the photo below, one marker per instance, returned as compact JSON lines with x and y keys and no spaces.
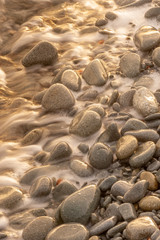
{"x":128,"y":211}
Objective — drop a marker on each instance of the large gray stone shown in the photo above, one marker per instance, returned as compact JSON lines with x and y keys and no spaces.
{"x":41,"y":187}
{"x":133,"y":124}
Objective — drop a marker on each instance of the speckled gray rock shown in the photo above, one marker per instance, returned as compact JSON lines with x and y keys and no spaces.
{"x":63,"y":190}
{"x":144,"y":81}
{"x":107,"y":183}
{"x":126,"y":146}
{"x":41,"y":187}
{"x":150,"y":203}
{"x":85,"y":123}
{"x":145,"y":102}
{"x":98,"y":109}
{"x":60,"y":151}
{"x":10,"y":197}
{"x":83,"y":147}
{"x":38,"y":228}
{"x":130,"y":64}
{"x":152,"y":12}
{"x":133,"y":124}
{"x":110,"y":134}
{"x":100,"y":156}
{"x":81,"y":168}
{"x":146,"y":38}
{"x":113,"y":210}
{"x":58,"y":97}
{"x":79,"y":205}
{"x":120,"y":188}
{"x":143,"y":154}
{"x":32,"y":137}
{"x":141,"y":228}
{"x":156,"y":56}
{"x":126,"y":98}
{"x":43,"y":53}
{"x":144,"y":135}
{"x":136,"y":192}
{"x":117,"y":229}
{"x":103,"y":226}
{"x":95,"y":73}
{"x":71,"y":231}
{"x":128,"y":211}
{"x":71,"y":80}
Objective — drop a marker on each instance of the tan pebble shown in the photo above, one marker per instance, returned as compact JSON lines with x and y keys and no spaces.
{"x":151,"y":179}
{"x":149,"y":203}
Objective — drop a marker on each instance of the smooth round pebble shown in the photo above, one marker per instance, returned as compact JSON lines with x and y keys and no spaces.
{"x":126,"y":98}
{"x":144,"y":135}
{"x":32,"y":137}
{"x":152,"y":12}
{"x":110,"y":134}
{"x":10,"y":197}
{"x":156,"y":56}
{"x":60,"y":151}
{"x":133,"y":124}
{"x":151,"y":179}
{"x":107,"y":183}
{"x":41,"y":187}
{"x":150,"y":203}
{"x":71,"y":80}
{"x":120,"y":187}
{"x":81,"y":168}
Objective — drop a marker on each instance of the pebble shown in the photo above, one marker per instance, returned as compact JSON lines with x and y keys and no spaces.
{"x":63,"y":190}
{"x":100,"y":156}
{"x":79,"y":205}
{"x":110,"y":134}
{"x":144,"y":81}
{"x":128,"y":211}
{"x":156,"y":56}
{"x":43,"y":53}
{"x":101,"y":22}
{"x":127,"y":61}
{"x":38,"y":228}
{"x":88,"y":95}
{"x":57,"y":78}
{"x":107,"y":183}
{"x":151,"y":179}
{"x":90,"y":29}
{"x":111,"y":16}
{"x":152,"y":12}
{"x":60,"y":151}
{"x":58,"y":97}
{"x":133,"y":124}
{"x":113,"y":98}
{"x":120,"y":187}
{"x":94,"y":238}
{"x":126,"y":98}
{"x":156,"y":235}
{"x":117,"y":229}
{"x":98,"y":109}
{"x":85,"y":123}
{"x":153,"y":166}
{"x":102,"y":226}
{"x":116,"y":107}
{"x":143,"y":154}
{"x":144,"y":135}
{"x":113,"y":210}
{"x":149,"y":203}
{"x":38,"y":97}
{"x":126,"y":146}
{"x":158,"y":175}
{"x":141,"y":228}
{"x":145,"y":102}
{"x":32,"y":137}
{"x":81,"y":168}
{"x":10,"y":197}
{"x":136,"y":192}
{"x":71,"y":231}
{"x":41,"y":187}
{"x":95,"y":73}
{"x":83,"y":147}
{"x":71,"y":80}
{"x":146,"y":38}
{"x":123,"y":2}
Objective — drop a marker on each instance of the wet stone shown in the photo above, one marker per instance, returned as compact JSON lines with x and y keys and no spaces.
{"x":123,"y":2}
{"x":110,"y":134}
{"x":107,"y":183}
{"x":32,"y":137}
{"x":87,"y":30}
{"x":58,"y":76}
{"x":103,"y":226}
{"x":151,"y":179}
{"x":126,"y":146}
{"x":41,"y":187}
{"x":113,"y":97}
{"x":81,"y":168}
{"x":10,"y":197}
{"x":152,"y":12}
{"x":144,"y":81}
{"x":141,"y":228}
{"x":156,"y":56}
{"x":128,"y":211}
{"x":116,"y":107}
{"x":88,"y":95}
{"x":95,"y":73}
{"x":79,"y":205}
{"x":60,"y":151}
{"x":43,"y":53}
{"x":83,"y":147}
{"x":126,"y":98}
{"x":149,"y":203}
{"x":58,"y":97}
{"x":71,"y":80}
{"x":38,"y":97}
{"x":100,"y":156}
{"x":143,"y":154}
{"x":85,"y":123}
{"x":133,"y":124}
{"x":98,"y":109}
{"x":145,"y":102}
{"x":127,"y":61}
{"x":117,"y":229}
{"x":120,"y":188}
{"x":41,"y":157}
{"x":113,"y":210}
{"x":111,"y":16}
{"x":38,"y":228}
{"x":136,"y":192}
{"x":146,"y":38}
{"x":144,"y":135}
{"x":101,"y":22}
{"x":71,"y":231}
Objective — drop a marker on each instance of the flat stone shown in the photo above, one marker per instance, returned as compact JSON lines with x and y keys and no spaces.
{"x":60,"y":151}
{"x":79,"y":205}
{"x":71,"y":231}
{"x":145,"y":102}
{"x":130,"y":64}
{"x":126,"y":98}
{"x":71,"y":80}
{"x":43,"y":53}
{"x":95,"y":73}
{"x":120,"y":187}
{"x":146,"y":38}
{"x":41,"y":187}
{"x":133,"y":124}
{"x":141,"y":228}
{"x":38,"y":228}
{"x":58,"y":97}
{"x":136,"y":192}
{"x":128,"y":211}
{"x":10,"y":197}
{"x":151,"y":179}
{"x":150,"y":203}
{"x":107,"y":183}
{"x":32,"y":137}
{"x":85,"y":123}
{"x":126,"y":146}
{"x":152,"y":12}
{"x":156,"y":56}
{"x":81,"y":168}
{"x":102,"y":226}
{"x":144,"y":135}
{"x":113,"y":210}
{"x":111,"y":15}
{"x":100,"y":156}
{"x":144,"y":81}
{"x":143,"y":154}
{"x":101,"y":22}
{"x":117,"y":229}
{"x":110,"y":134}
